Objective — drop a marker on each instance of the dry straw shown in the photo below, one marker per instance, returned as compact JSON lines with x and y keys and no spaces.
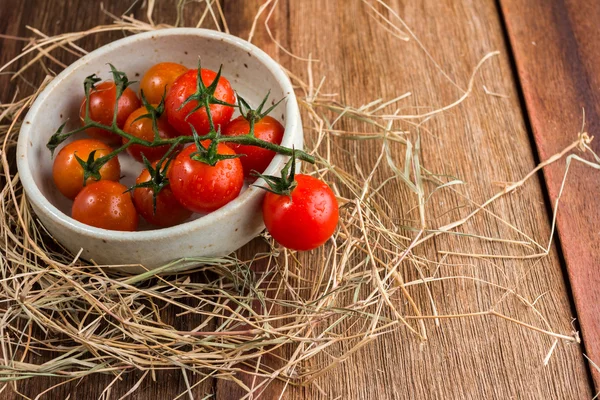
{"x":272,"y":313}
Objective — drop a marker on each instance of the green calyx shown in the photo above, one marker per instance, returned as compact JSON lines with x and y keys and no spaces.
{"x":253,"y":116}
{"x":120,"y":79}
{"x":89,"y":84}
{"x":285,"y":184}
{"x":57,"y":138}
{"x":205,"y":95}
{"x":121,"y":82}
{"x":153,"y":113}
{"x":91,"y":168}
{"x":209,"y":155}
{"x":158,"y":178}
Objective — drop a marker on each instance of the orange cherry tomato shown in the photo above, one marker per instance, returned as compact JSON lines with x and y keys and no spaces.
{"x":255,"y":158}
{"x":102,"y":106}
{"x":142,"y":128}
{"x":106,"y":205}
{"x":169,"y":211}
{"x":67,"y":173}
{"x":157,"y":81}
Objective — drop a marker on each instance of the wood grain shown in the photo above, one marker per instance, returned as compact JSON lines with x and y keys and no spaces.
{"x":482,"y":141}
{"x":557,"y":51}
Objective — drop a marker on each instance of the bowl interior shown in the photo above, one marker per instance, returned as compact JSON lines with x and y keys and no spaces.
{"x":246,"y":72}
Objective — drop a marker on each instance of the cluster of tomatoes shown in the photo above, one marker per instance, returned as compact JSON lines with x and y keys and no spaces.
{"x":196,"y":157}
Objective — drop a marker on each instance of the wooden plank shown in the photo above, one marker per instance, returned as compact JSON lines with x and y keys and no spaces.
{"x":484,"y":140}
{"x":471,"y":359}
{"x":557,"y":51}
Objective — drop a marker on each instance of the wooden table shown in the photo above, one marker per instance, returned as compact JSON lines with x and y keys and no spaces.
{"x":546,"y":73}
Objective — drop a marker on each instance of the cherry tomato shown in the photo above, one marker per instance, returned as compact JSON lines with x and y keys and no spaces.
{"x":68,"y":173}
{"x":305,"y":220}
{"x":256,"y":158}
{"x":169,"y":211}
{"x":183,"y":88}
{"x":102,"y":106}
{"x":159,"y":77}
{"x":106,"y":205}
{"x":142,"y":128}
{"x":204,"y":188}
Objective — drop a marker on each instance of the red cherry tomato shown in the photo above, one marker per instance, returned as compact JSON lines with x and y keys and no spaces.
{"x":102,"y":106}
{"x":169,"y":211}
{"x":307,"y":219}
{"x":67,"y":173}
{"x":159,"y":77}
{"x":255,"y":158}
{"x":204,"y":188}
{"x":183,"y":88}
{"x":106,"y":205}
{"x":142,"y":128}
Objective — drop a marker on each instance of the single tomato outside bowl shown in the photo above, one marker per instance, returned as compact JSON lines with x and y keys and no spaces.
{"x":251,"y":72}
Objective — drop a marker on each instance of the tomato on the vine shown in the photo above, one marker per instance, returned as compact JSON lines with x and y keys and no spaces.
{"x":102,"y":106}
{"x":142,"y":128}
{"x":255,"y":158}
{"x":106,"y":205}
{"x":158,"y":79}
{"x":184,"y":87}
{"x":67,"y":173}
{"x":304,"y":219}
{"x":202,"y":187}
{"x":168,"y":212}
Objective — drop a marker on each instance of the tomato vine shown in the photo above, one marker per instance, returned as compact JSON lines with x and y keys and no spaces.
{"x":204,"y":96}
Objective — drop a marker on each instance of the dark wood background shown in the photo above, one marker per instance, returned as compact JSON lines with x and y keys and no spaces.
{"x":547,"y":70}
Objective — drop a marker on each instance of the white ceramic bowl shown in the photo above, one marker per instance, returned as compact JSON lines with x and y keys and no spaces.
{"x":251,"y":73}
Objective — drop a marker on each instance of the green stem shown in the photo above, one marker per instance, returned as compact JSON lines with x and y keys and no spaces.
{"x":99,"y":162}
{"x":245,"y":140}
{"x":253,"y":141}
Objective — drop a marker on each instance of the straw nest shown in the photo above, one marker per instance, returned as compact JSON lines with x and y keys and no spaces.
{"x":303,"y":314}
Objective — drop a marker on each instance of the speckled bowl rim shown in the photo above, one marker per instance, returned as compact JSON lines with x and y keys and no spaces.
{"x":36,"y":197}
